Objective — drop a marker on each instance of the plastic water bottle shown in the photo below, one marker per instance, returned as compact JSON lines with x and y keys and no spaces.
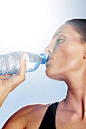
{"x":10,"y":63}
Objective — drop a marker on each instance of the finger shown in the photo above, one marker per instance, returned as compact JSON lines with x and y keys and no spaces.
{"x":22,"y":68}
{"x":14,"y":81}
{"x":5,"y":76}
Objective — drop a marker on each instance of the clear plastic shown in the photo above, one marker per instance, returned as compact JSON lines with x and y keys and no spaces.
{"x":10,"y":63}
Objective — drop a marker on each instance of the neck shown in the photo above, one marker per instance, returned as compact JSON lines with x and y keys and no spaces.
{"x":76,"y":94}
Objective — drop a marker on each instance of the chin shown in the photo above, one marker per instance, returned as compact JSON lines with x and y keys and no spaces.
{"x":52,"y":75}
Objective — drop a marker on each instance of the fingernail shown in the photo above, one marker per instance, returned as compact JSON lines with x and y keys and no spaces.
{"x":25,"y":56}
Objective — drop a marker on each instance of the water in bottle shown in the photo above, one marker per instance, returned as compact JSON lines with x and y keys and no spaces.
{"x":10,"y":63}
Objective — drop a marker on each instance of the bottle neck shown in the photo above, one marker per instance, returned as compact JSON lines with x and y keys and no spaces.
{"x":44,"y":58}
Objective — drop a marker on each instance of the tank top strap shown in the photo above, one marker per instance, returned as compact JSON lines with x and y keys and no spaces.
{"x":48,"y":121}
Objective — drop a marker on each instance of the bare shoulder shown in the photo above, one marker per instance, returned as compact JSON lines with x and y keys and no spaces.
{"x":28,"y":117}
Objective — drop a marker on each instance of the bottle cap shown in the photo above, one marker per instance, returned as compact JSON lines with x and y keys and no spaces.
{"x":45,"y":58}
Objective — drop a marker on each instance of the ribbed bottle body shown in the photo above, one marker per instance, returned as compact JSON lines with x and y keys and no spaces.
{"x":10,"y":63}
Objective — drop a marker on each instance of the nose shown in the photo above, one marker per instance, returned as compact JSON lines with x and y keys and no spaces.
{"x":48,"y":50}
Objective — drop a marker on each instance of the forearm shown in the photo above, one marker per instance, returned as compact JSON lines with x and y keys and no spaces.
{"x":3,"y":94}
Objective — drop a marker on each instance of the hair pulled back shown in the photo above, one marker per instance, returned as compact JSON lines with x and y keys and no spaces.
{"x":80,"y":27}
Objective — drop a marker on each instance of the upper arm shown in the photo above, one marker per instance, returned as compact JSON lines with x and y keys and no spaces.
{"x":15,"y":122}
{"x":27,"y":117}
{"x":13,"y":125}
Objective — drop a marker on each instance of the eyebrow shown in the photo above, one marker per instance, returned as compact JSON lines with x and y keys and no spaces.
{"x":57,"y":34}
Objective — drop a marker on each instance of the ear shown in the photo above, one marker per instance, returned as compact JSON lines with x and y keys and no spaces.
{"x":84,"y":55}
{"x":84,"y":51}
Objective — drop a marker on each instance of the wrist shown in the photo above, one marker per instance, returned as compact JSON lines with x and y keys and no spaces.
{"x":4,"y":91}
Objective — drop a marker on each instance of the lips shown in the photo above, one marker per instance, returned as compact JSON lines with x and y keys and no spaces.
{"x":48,"y":64}
{"x":50,"y":58}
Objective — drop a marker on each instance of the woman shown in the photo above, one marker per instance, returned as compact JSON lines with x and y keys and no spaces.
{"x":67,"y":62}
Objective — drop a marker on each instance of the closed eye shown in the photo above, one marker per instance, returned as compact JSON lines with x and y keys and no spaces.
{"x":60,"y":40}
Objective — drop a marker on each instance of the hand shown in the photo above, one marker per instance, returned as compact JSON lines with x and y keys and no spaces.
{"x":10,"y":82}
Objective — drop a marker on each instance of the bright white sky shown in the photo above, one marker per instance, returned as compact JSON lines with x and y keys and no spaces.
{"x":29,"y":25}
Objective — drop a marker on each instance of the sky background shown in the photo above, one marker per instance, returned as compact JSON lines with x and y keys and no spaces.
{"x":29,"y":25}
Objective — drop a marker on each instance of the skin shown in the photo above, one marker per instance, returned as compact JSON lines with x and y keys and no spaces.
{"x":10,"y":82}
{"x":68,"y":64}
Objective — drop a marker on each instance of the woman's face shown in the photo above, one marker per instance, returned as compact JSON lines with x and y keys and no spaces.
{"x":65,"y":52}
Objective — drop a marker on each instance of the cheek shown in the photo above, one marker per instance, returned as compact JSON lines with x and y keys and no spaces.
{"x":68,"y":57}
{"x":65,"y":59}
{"x":61,"y":53}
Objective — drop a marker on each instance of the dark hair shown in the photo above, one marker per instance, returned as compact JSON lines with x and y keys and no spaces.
{"x":79,"y":26}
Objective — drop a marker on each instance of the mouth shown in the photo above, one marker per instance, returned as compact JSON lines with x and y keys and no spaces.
{"x":47,"y":64}
{"x":50,"y":58}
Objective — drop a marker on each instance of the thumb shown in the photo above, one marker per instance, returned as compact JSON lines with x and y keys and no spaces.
{"x":22,"y":68}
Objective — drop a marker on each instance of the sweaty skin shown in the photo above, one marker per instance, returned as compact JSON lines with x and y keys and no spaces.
{"x":67,"y":63}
